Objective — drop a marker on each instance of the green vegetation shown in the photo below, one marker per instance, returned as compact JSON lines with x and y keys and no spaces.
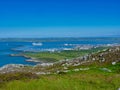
{"x":66,"y":54}
{"x":99,"y":76}
{"x":93,"y":79}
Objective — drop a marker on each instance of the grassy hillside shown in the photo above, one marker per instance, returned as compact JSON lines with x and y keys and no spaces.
{"x":93,"y":79}
{"x":103,"y":75}
{"x":87,"y":80}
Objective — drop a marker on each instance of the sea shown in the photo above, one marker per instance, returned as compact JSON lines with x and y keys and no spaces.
{"x":16,"y":46}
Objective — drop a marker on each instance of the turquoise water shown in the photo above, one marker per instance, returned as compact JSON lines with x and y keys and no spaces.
{"x":8,"y":47}
{"x":6,"y":50}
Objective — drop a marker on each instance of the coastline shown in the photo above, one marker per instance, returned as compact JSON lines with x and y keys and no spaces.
{"x":36,"y":60}
{"x":101,"y":58}
{"x":28,"y":59}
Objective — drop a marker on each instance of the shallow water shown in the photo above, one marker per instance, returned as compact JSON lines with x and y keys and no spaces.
{"x":6,"y":50}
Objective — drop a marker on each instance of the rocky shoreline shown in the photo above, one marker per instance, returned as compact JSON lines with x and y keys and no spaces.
{"x":35,"y":60}
{"x":28,"y":59}
{"x":110,"y":56}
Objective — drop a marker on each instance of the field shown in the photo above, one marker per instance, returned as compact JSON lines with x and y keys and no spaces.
{"x":66,"y":54}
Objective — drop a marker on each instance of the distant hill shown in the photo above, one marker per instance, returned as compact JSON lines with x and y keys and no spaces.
{"x":116,"y":36}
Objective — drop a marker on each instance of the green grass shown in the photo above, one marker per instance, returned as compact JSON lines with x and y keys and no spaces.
{"x":84,"y":80}
{"x":93,"y":79}
{"x":67,"y":54}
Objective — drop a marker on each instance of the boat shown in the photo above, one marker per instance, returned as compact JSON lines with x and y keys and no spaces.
{"x":37,"y":44}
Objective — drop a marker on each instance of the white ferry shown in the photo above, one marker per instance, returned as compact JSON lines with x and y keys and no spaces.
{"x":37,"y":44}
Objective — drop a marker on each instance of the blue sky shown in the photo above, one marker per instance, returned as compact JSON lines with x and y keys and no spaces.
{"x":59,"y":18}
